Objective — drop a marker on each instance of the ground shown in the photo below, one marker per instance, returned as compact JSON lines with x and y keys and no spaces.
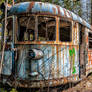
{"x":83,"y":86}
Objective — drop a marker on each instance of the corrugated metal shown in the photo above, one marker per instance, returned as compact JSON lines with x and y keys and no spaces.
{"x":58,"y":62}
{"x":46,"y":8}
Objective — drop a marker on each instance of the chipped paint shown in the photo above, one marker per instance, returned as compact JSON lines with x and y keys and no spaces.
{"x":59,"y":63}
{"x":46,"y":8}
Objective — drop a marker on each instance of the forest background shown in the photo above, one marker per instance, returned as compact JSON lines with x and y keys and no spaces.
{"x":83,"y":8}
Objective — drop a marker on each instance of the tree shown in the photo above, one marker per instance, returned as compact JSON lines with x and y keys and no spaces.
{"x":72,"y":5}
{"x":86,"y":10}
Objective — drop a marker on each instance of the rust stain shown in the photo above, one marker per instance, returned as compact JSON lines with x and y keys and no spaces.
{"x":53,"y":70}
{"x":76,"y":33}
{"x":58,"y":9}
{"x":77,"y":47}
{"x":60,"y":59}
{"x":57,"y":30}
{"x":65,"y":13}
{"x":65,"y":80}
{"x":57,"y":47}
{"x":40,"y":4}
{"x":87,"y":39}
{"x":54,"y":10}
{"x":31,"y":6}
{"x":89,"y":58}
{"x":69,"y":14}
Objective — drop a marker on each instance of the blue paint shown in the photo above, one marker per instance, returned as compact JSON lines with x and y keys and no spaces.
{"x":19,"y":8}
{"x":13,"y":63}
{"x":6,"y":70}
{"x":39,"y":7}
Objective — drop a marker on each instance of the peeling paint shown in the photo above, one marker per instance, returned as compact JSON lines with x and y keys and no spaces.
{"x":46,"y":8}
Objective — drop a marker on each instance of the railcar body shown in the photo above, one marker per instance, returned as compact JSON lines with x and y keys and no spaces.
{"x":46,"y":45}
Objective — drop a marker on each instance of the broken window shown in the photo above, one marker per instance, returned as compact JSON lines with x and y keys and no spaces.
{"x":82,"y":33}
{"x":39,"y":28}
{"x":9,"y":31}
{"x":26,"y":28}
{"x":65,"y":33}
{"x":46,"y":28}
{"x":90,"y":40}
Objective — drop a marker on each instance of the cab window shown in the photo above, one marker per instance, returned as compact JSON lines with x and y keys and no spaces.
{"x":46,"y":28}
{"x":26,"y":28}
{"x":39,"y":28}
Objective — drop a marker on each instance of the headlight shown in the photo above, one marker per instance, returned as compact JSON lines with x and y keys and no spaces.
{"x":35,"y":54}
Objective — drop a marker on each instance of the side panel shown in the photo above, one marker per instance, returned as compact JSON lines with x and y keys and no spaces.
{"x":7,"y":63}
{"x":89,"y":59}
{"x":58,"y":62}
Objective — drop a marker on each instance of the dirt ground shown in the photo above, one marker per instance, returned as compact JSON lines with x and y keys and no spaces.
{"x":84,"y":86}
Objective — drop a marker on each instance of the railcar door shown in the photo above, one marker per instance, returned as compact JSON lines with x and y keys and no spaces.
{"x":82,"y":54}
{"x":7,"y":36}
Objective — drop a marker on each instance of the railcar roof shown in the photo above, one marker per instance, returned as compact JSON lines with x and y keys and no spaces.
{"x":46,"y":8}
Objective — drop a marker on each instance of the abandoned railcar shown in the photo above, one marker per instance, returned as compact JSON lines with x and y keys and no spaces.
{"x":46,"y":45}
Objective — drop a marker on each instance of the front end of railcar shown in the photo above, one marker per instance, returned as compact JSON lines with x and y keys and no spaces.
{"x":38,"y":50}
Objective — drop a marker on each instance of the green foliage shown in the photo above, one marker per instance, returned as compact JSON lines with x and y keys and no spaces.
{"x":72,"y":5}
{"x":9,"y":1}
{"x":3,"y":90}
{"x":13,"y":90}
{"x":0,"y":12}
{"x":0,"y":25}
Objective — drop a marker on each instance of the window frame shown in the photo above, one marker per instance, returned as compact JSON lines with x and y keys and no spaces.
{"x":71,"y":34}
{"x":55,"y":29}
{"x":88,"y":40}
{"x":38,"y":15}
{"x":8,"y":18}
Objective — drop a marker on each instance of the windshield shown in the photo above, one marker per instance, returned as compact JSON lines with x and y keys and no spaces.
{"x":39,"y":28}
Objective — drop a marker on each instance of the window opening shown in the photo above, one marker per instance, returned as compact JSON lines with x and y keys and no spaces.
{"x":27,"y":28}
{"x":39,"y":28}
{"x":8,"y":33}
{"x":65,"y":34}
{"x":82,"y":33}
{"x":90,"y":40}
{"x":46,"y":28}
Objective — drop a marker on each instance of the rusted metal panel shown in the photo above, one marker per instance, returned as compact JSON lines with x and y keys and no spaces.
{"x":46,"y":8}
{"x":89,"y":54}
{"x":7,"y":63}
{"x":58,"y":62}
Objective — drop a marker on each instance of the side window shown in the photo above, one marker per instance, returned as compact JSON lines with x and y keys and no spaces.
{"x":82,"y":33}
{"x":90,"y":40}
{"x":65,"y":33}
{"x":9,"y":30}
{"x":26,"y":28}
{"x":46,"y":28}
